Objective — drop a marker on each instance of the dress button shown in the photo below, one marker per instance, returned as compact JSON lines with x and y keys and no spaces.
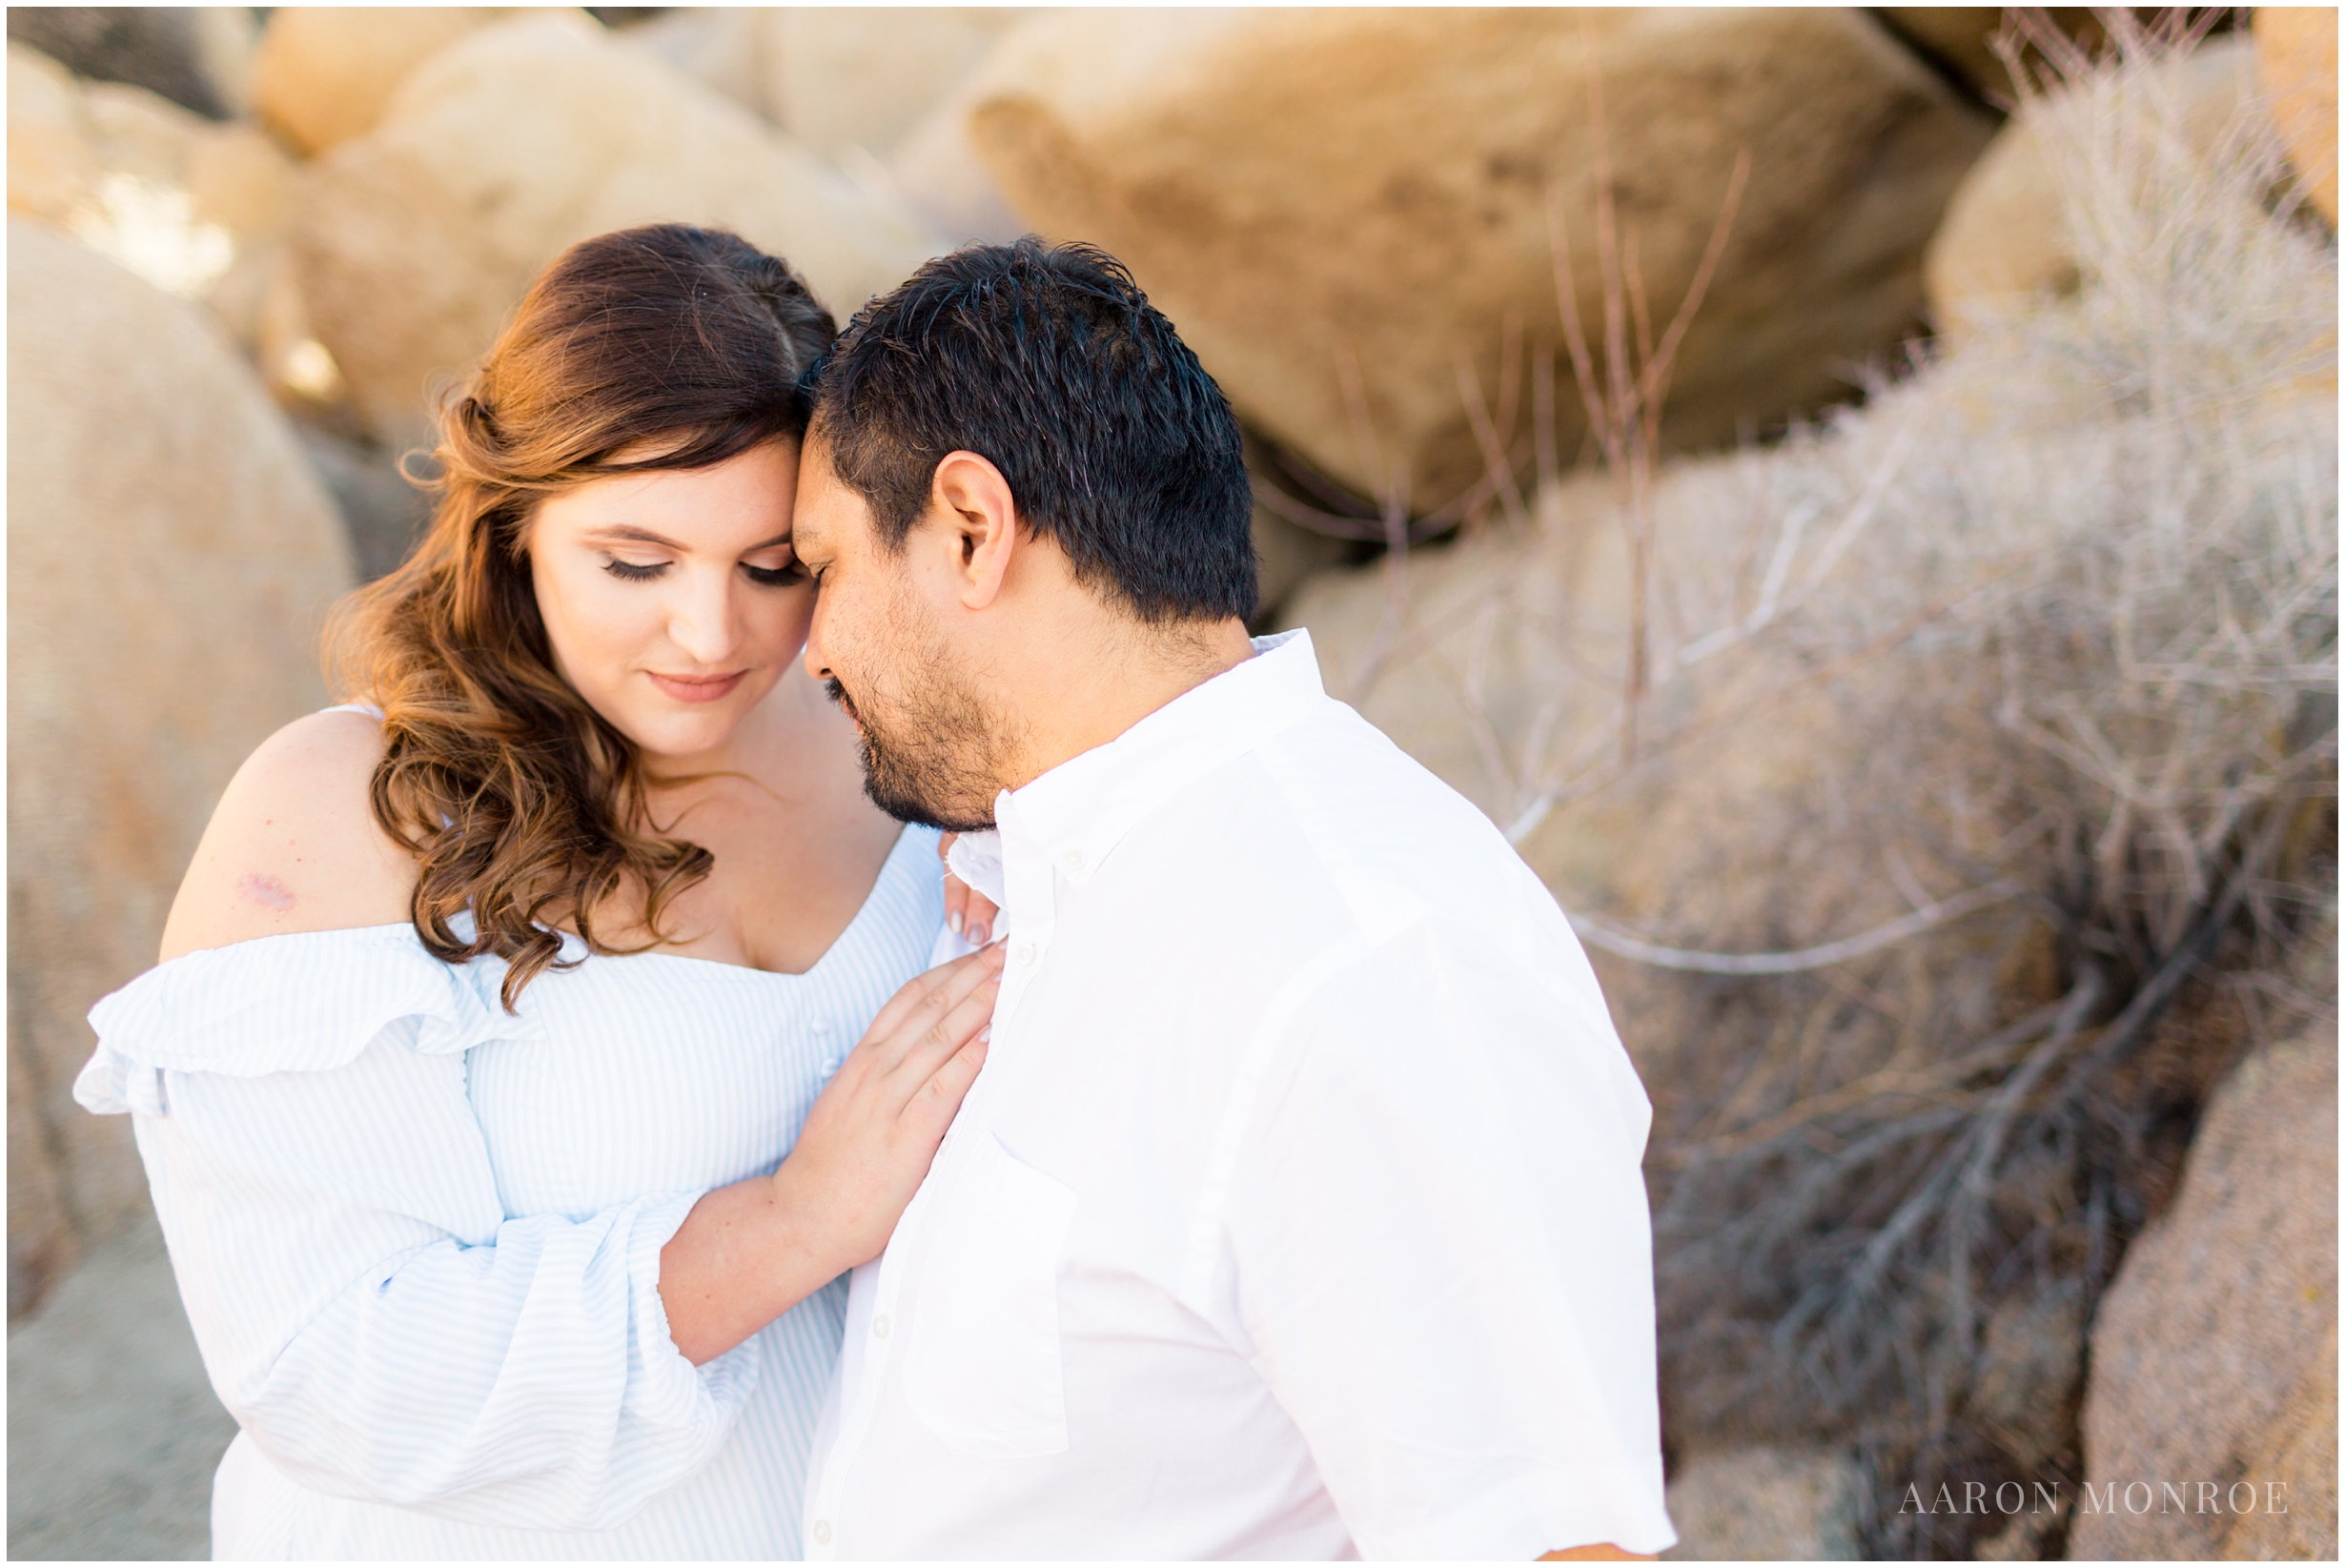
{"x":1026,"y":952}
{"x":879,"y":1327}
{"x":822,"y":1531}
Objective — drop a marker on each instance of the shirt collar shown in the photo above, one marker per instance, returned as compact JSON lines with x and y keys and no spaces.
{"x":1074,"y":815}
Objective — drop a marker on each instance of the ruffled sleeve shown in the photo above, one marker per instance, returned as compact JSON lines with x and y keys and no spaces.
{"x":306,"y":1002}
{"x":368,"y":1311}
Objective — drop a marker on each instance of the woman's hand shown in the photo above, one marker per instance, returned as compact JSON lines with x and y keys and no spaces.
{"x":872,"y":1134}
{"x":751,"y":1251}
{"x":967,"y":911}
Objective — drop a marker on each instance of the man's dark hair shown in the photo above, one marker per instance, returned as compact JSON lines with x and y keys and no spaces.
{"x":1050,"y":362}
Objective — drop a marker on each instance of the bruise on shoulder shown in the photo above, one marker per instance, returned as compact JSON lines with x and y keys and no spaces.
{"x":266,"y":892}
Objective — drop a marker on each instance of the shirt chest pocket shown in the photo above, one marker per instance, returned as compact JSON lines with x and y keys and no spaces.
{"x":982,"y":1371}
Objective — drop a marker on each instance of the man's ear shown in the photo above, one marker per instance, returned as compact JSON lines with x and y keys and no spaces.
{"x":973,"y":499}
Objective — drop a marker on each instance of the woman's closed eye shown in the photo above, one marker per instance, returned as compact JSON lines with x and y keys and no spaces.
{"x":765,"y":577}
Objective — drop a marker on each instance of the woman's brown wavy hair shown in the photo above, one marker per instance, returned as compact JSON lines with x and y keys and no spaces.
{"x":659,"y":348}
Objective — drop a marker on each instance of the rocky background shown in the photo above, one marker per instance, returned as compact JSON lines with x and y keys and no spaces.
{"x":1853,"y":493}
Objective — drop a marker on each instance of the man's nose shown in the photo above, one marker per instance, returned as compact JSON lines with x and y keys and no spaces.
{"x":817,"y":658}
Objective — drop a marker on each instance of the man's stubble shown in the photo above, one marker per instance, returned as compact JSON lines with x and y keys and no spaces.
{"x":932,"y":754}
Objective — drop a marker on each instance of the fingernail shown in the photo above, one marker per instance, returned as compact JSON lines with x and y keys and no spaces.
{"x":953,"y":922}
{"x":977,"y":935}
{"x":986,"y":1034}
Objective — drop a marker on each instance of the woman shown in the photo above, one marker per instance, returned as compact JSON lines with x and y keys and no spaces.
{"x":490,"y":1003}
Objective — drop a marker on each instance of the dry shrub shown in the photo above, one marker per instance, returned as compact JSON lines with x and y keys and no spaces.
{"x":1981,"y":806}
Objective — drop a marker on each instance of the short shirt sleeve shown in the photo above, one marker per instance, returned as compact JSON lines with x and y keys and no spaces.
{"x":1442,"y":1257}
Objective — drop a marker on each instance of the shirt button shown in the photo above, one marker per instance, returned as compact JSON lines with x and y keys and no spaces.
{"x":1026,"y":952}
{"x":879,"y":1327}
{"x":1074,"y":860}
{"x":822,"y":1026}
{"x":822,"y":1531}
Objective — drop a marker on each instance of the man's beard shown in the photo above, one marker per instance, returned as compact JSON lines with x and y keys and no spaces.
{"x":933,"y":759}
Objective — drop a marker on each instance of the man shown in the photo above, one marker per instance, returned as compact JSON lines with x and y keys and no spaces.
{"x":1297,"y":1213}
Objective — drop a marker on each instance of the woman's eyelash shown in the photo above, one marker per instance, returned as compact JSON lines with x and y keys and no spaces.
{"x":765,"y":577}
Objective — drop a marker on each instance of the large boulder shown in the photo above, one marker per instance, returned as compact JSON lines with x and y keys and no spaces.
{"x":195,"y":208}
{"x":2296,"y":64}
{"x":1287,"y":556}
{"x":42,"y":1245}
{"x":937,"y":169}
{"x":50,"y":165}
{"x":1766,"y":1505}
{"x":1505,"y":634}
{"x":2302,"y":1443}
{"x":1302,"y":189}
{"x":1961,"y":40}
{"x":731,"y":49}
{"x":845,"y":80}
{"x":414,"y":241}
{"x":2214,"y":1356}
{"x":383,"y":511}
{"x":884,"y":90}
{"x":2006,"y":239}
{"x":850,"y":77}
{"x":170,"y":557}
{"x":324,"y":74}
{"x":198,"y":56}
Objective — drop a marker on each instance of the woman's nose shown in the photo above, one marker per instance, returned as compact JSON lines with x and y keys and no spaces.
{"x":703,"y":621}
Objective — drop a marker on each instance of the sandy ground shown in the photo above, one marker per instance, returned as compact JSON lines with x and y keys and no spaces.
{"x":112,"y":1431}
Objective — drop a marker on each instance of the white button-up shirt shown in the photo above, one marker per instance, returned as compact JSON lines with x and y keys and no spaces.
{"x":1297,"y":1210}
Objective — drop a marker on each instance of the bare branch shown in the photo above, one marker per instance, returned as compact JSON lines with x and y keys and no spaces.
{"x":1599,"y":934}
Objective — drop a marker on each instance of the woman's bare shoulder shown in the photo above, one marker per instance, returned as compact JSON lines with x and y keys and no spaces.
{"x":293,"y":844}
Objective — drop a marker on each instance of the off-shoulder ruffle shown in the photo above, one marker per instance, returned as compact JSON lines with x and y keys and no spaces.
{"x":303,"y":1003}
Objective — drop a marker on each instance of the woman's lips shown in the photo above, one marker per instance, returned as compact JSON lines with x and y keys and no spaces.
{"x":697,"y":688}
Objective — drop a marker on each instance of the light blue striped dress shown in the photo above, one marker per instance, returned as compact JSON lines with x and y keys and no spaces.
{"x":419,"y":1238}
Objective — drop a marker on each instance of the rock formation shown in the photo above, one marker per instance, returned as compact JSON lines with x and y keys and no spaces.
{"x":198,"y":57}
{"x":2006,"y":237}
{"x":170,"y":557}
{"x":849,"y":76}
{"x":1962,"y":40}
{"x":2296,"y":64}
{"x":519,"y":140}
{"x":1323,"y":198}
{"x":1765,"y":1504}
{"x":194,"y":206}
{"x":324,"y":74}
{"x":2213,"y":1356}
